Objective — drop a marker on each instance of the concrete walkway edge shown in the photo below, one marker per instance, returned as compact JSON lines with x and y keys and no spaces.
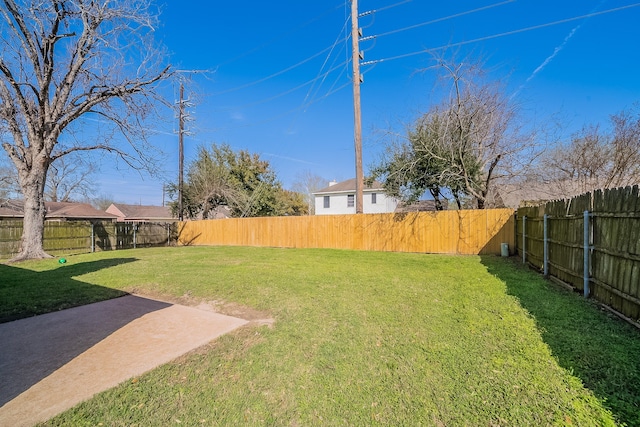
{"x":52,"y":362}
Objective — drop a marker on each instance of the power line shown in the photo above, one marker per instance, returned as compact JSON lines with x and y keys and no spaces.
{"x":283,"y":114}
{"x":328,"y":94}
{"x":344,"y":66}
{"x":304,"y":61}
{"x":373,"y":11}
{"x":286,"y":92}
{"x":313,"y":91}
{"x":335,"y":43}
{"x":344,"y":69}
{"x":280,"y":37}
{"x":506,"y":33}
{"x":457,"y":15}
{"x":323,"y":76}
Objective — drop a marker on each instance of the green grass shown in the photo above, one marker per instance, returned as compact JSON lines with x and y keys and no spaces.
{"x":38,"y":287}
{"x":586,"y":339}
{"x":360,"y":338}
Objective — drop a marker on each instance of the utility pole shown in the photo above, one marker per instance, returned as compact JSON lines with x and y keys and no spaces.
{"x":180,"y":150}
{"x":183,"y":117}
{"x":357,"y":125}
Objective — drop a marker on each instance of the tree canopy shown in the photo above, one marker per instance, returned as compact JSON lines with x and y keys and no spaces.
{"x":239,"y":180}
{"x":459,"y":147}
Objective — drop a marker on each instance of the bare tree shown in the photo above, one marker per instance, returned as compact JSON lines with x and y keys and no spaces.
{"x":69,"y":177}
{"x":306,"y":183}
{"x":65,"y":60}
{"x":6,"y":179}
{"x":625,"y":149}
{"x":595,"y":158}
{"x":461,"y":146}
{"x":101,"y":202}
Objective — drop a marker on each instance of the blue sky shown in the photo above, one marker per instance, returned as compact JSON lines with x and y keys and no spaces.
{"x":280,"y":81}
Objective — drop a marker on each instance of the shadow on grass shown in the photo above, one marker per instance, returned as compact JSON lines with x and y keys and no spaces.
{"x":588,"y":341}
{"x":25,"y":293}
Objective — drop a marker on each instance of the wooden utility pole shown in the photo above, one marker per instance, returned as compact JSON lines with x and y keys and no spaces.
{"x":357,"y":125}
{"x":180,"y":150}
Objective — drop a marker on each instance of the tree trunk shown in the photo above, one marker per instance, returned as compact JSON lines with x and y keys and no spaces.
{"x":435,"y":193}
{"x":480,"y":202}
{"x":31,"y":245}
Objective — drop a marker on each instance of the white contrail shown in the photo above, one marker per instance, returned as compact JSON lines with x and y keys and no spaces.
{"x":555,"y":52}
{"x":548,"y":60}
{"x":292,"y":159}
{"x":553,"y":55}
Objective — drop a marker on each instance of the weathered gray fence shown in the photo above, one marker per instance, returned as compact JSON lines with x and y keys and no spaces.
{"x":591,"y":242}
{"x":69,"y":237}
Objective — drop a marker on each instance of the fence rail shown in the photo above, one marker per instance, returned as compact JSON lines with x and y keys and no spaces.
{"x":450,"y":232}
{"x":591,"y":242}
{"x":70,"y":237}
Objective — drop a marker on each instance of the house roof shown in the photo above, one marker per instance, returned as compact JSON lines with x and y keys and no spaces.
{"x":56,"y":210}
{"x":420,"y":206}
{"x":75,"y":210}
{"x":134,"y":212}
{"x":11,"y":209}
{"x":350,"y":186}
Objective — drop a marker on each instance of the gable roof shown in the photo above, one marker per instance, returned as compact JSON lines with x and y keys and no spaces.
{"x":141,"y":212}
{"x":350,"y":186}
{"x":56,"y":210}
{"x":11,"y":209}
{"x":70,"y":210}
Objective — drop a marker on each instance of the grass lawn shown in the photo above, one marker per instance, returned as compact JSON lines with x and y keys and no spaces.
{"x":359,"y":338}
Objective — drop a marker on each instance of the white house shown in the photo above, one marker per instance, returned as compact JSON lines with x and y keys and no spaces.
{"x":340,"y":198}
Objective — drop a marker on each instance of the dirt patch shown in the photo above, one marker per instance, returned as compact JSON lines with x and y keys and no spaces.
{"x":254,"y":316}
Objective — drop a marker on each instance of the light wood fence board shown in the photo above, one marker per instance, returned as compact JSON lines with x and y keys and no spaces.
{"x":452,"y":232}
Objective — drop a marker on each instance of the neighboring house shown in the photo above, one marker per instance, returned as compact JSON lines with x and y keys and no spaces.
{"x":339,"y":198}
{"x":57,"y":211}
{"x":140,"y":213}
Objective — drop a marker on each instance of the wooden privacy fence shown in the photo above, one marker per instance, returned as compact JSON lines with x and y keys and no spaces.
{"x":591,"y":242}
{"x":68,"y":237}
{"x":449,"y":232}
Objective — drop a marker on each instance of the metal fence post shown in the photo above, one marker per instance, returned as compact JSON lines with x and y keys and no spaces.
{"x":586,"y":254}
{"x":546,"y":245}
{"x":524,"y":239}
